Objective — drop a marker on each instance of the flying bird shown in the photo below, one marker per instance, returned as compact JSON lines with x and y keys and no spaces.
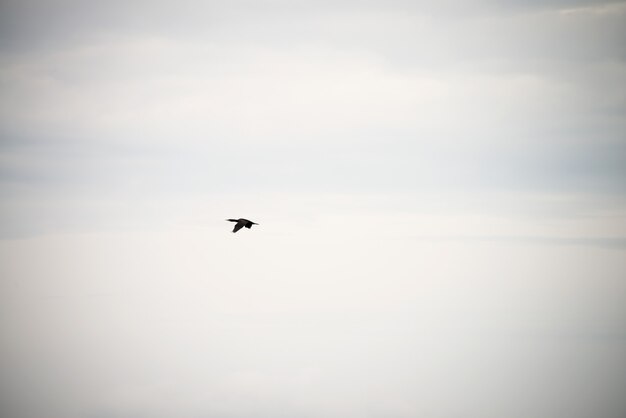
{"x":241,"y":222}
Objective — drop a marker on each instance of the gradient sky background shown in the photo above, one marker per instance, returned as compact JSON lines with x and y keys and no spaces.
{"x":440,"y":188}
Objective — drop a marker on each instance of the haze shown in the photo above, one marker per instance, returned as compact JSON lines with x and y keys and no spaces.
{"x":439,"y":187}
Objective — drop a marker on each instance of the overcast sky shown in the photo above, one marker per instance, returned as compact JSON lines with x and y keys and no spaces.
{"x":440,"y":188}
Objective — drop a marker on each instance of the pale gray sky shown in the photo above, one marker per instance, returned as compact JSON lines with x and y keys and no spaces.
{"x":440,"y":188}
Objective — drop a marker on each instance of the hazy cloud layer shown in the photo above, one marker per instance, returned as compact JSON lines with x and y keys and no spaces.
{"x":528,"y":95}
{"x":440,"y":188}
{"x":310,"y":323}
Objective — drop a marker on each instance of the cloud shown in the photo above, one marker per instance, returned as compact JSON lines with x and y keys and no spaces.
{"x":126,"y":100}
{"x":440,"y":188}
{"x":173,"y":323}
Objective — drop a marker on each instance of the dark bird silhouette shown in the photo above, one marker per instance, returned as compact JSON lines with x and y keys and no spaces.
{"x":241,"y":222}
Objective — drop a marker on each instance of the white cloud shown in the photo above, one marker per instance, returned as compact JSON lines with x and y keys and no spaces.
{"x":439,"y":187}
{"x":178,"y":323}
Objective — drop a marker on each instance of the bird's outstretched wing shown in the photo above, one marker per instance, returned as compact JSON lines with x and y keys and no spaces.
{"x":238,"y":226}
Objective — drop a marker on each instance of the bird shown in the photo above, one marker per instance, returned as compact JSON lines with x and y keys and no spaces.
{"x":241,"y":222}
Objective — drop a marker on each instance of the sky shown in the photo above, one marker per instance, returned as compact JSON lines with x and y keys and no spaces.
{"x":440,"y":189}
